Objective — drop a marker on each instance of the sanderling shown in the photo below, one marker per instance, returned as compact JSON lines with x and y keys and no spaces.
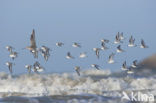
{"x":143,"y":45}
{"x":131,"y":42}
{"x":111,"y":58}
{"x":83,"y":55}
{"x":97,"y":52}
{"x":33,"y":47}
{"x":124,"y":66}
{"x":9,"y":48}
{"x":28,"y":67}
{"x":69,"y":56}
{"x":119,"y":50}
{"x":76,"y":45}
{"x":77,"y":69}
{"x":13,"y":55}
{"x":9,"y":64}
{"x":134,"y":65}
{"x":103,"y":46}
{"x":59,"y":44}
{"x":95,"y":66}
{"x":117,"y":39}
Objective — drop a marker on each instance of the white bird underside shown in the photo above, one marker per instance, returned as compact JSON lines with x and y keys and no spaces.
{"x":131,"y":45}
{"x":134,"y":66}
{"x":83,"y":55}
{"x":119,"y":51}
{"x":12,"y":56}
{"x":37,"y":69}
{"x":116,"y":42}
{"x":74,"y":45}
{"x":69,"y":57}
{"x":40,"y":70}
{"x":141,"y":46}
{"x":111,"y":61}
{"x":124,"y":69}
{"x":130,"y":72}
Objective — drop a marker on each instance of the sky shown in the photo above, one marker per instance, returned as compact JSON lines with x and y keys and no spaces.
{"x":82,"y":21}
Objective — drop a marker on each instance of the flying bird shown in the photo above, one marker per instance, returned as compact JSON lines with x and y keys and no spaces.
{"x":10,"y":64}
{"x":117,"y":39}
{"x":76,"y":45}
{"x":97,"y":50}
{"x":105,"y":40}
{"x":37,"y":67}
{"x":111,"y":58}
{"x":33,"y":48}
{"x":131,"y":42}
{"x":28,"y":67}
{"x":59,"y":44}
{"x":77,"y":69}
{"x":69,"y":56}
{"x":119,"y":50}
{"x":95,"y":66}
{"x":103,"y":46}
{"x":13,"y":55}
{"x":130,"y":71}
{"x":45,"y":51}
{"x":143,"y":45}
{"x":83,"y":55}
{"x":124,"y":66}
{"x":134,"y":65}
{"x":9,"y":48}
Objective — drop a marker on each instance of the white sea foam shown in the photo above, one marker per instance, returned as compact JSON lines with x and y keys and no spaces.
{"x":91,"y":82}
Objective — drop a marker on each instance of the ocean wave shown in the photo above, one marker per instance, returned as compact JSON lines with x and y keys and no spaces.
{"x":91,"y":82}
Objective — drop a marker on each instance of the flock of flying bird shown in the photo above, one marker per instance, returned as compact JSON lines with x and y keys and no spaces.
{"x":45,"y":52}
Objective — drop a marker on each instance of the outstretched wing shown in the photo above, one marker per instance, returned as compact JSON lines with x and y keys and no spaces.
{"x":32,"y":39}
{"x":142,"y":43}
{"x":111,"y":56}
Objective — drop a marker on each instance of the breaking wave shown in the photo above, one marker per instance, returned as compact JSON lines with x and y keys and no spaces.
{"x":90,"y":83}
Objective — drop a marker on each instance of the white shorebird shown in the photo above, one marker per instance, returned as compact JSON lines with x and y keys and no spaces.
{"x":9,"y":48}
{"x":119,"y":50}
{"x":130,"y":71}
{"x":69,"y":56}
{"x":134,"y":65}
{"x":143,"y":45}
{"x":131,"y":42}
{"x":111,"y":58}
{"x":45,"y":52}
{"x":10,"y":64}
{"x":13,"y":55}
{"x":104,"y":40}
{"x":97,"y":50}
{"x":37,"y":67}
{"x":124,"y":66}
{"x":45,"y":48}
{"x":59,"y":44}
{"x":76,"y":45}
{"x":77,"y":69}
{"x":117,"y":39}
{"x":95,"y":66}
{"x":28,"y":67}
{"x":103,"y":46}
{"x":33,"y":47}
{"x":46,"y":57}
{"x":83,"y":55}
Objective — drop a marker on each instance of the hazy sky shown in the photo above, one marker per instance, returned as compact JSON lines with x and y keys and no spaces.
{"x":83,"y":21}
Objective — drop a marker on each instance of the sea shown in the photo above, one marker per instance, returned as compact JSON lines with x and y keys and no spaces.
{"x":92,"y":86}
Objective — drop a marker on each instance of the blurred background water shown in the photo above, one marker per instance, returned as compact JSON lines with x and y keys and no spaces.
{"x":83,"y":21}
